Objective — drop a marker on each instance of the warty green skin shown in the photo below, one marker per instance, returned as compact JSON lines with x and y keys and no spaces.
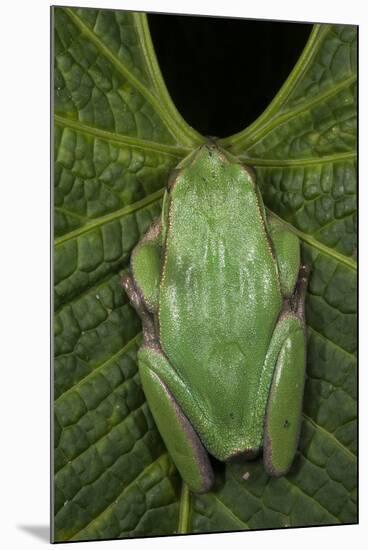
{"x":216,"y":285}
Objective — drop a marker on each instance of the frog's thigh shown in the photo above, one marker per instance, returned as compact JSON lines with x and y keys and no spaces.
{"x":146,"y":265}
{"x":287,"y":249}
{"x":284,"y":407}
{"x":182,"y":442}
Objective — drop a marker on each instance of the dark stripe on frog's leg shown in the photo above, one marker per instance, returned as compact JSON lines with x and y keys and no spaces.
{"x":286,"y":247}
{"x":145,"y":265}
{"x":284,"y":407}
{"x":181,"y":440}
{"x":135,"y":298}
{"x":297,"y":301}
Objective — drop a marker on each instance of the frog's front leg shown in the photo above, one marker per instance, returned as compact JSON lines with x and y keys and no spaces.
{"x":145,"y":265}
{"x":284,"y":408}
{"x":142,"y":286}
{"x":286,"y":247}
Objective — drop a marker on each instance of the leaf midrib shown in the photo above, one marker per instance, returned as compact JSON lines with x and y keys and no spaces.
{"x":270,"y":118}
{"x":171,"y":124}
{"x":302,"y":65}
{"x":304,"y":107}
{"x":154,"y":71}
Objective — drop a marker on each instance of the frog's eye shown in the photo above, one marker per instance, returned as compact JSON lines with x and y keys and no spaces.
{"x":172,"y":179}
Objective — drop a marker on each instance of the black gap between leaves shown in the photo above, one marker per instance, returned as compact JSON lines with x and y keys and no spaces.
{"x":222,"y":73}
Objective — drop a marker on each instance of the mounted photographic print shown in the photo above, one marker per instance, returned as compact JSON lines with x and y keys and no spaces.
{"x":204,"y":213}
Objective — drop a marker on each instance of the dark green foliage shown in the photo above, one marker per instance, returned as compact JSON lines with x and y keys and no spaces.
{"x":117,"y":137}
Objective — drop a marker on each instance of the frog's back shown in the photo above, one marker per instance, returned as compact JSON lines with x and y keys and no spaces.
{"x":219,"y":297}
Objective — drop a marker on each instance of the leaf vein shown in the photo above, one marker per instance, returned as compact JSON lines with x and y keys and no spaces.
{"x":120,"y":139}
{"x":338,"y":157}
{"x":311,"y":241}
{"x":141,"y":474}
{"x":122,"y":212}
{"x":298,"y":489}
{"x":100,"y":366}
{"x":329,"y":435}
{"x":305,"y":107}
{"x":229,"y":512}
{"x":102,"y":437}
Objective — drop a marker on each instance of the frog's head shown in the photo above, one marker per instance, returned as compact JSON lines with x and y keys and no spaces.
{"x":208,"y":163}
{"x":205,"y":154}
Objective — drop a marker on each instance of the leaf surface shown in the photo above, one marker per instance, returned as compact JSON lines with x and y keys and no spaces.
{"x":117,"y":137}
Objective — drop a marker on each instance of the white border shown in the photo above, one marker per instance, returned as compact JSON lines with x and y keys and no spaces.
{"x":24,"y":197}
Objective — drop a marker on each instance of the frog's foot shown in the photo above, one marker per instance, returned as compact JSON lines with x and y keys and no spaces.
{"x":284,"y":407}
{"x":135,"y":298}
{"x":180,"y":437}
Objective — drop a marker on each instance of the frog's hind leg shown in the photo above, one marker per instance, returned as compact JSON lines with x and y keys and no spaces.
{"x":181,"y":440}
{"x":284,"y":407}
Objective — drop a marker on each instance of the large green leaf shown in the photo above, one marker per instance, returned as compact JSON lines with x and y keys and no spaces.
{"x":117,"y":136}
